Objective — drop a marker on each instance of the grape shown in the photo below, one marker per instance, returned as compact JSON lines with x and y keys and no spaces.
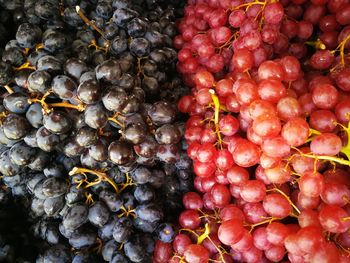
{"x":342,"y":15}
{"x":276,"y":205}
{"x":322,"y":59}
{"x":260,"y":238}
{"x":342,"y":79}
{"x":275,"y":147}
{"x":325,"y":96}
{"x":244,"y":244}
{"x":271,"y":90}
{"x":247,"y":92}
{"x":196,"y":253}
{"x":231,"y":212}
{"x":237,"y":175}
{"x":311,"y":184}
{"x":307,"y":202}
{"x":273,"y":13}
{"x":236,"y":18}
{"x":189,"y":219}
{"x":326,"y":144}
{"x":332,"y":252}
{"x":308,"y":217}
{"x":253,"y":254}
{"x":254,"y":212}
{"x":335,"y":193}
{"x":271,"y":70}
{"x":246,"y":154}
{"x":279,"y":174}
{"x":331,"y":219}
{"x":323,"y":120}
{"x":242,"y":60}
{"x":288,"y":108}
{"x":267,"y":126}
{"x":295,"y":132}
{"x":253,"y":191}
{"x":275,"y":253}
{"x":220,"y":195}
{"x":75,"y":217}
{"x":230,"y":231}
{"x":224,"y":160}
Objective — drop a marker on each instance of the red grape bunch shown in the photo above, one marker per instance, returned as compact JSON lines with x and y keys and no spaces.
{"x":268,"y":132}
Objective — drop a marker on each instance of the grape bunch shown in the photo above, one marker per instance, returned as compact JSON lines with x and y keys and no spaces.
{"x":91,"y":140}
{"x":268,"y":132}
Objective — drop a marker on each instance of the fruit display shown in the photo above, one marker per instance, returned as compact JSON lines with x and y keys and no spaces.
{"x":175,"y":132}
{"x":92,"y":148}
{"x":268,"y":132}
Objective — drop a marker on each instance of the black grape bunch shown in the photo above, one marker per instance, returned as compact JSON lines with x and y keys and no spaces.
{"x":91,"y":143}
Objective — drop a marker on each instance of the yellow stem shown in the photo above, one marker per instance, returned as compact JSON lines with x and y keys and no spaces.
{"x":216,"y":115}
{"x":26,"y":65}
{"x":313,"y":132}
{"x":268,"y":221}
{"x":79,"y":107}
{"x":8,"y":89}
{"x":87,"y":21}
{"x":341,"y":48}
{"x":248,"y":5}
{"x":318,"y":44}
{"x":204,"y":235}
{"x":116,"y":121}
{"x":39,"y":46}
{"x":102,"y":176}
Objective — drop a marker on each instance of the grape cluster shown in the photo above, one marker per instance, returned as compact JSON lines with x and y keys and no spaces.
{"x":268,"y":132}
{"x":91,"y":140}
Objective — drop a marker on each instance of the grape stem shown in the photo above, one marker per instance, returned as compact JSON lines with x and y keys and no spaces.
{"x":97,"y":47}
{"x":248,"y":5}
{"x":267,"y":221}
{"x":327,"y":158}
{"x":206,"y":235}
{"x":87,"y":21}
{"x":312,"y":134}
{"x":129,"y":182}
{"x":80,"y":107}
{"x":101,"y":177}
{"x":90,"y":23}
{"x":89,"y":199}
{"x":39,"y":46}
{"x":318,"y":44}
{"x":181,"y":259}
{"x":42,"y":101}
{"x":127,"y":212}
{"x":3,"y":115}
{"x":341,"y":48}
{"x":8,"y":89}
{"x":113,"y":119}
{"x":25,"y":65}
{"x":25,"y":51}
{"x":203,"y":236}
{"x":345,"y":218}
{"x":216,"y":102}
{"x":47,"y":106}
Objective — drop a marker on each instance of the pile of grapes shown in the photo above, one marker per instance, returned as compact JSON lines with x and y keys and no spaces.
{"x":93,"y":158}
{"x":268,"y":132}
{"x":171,"y":132}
